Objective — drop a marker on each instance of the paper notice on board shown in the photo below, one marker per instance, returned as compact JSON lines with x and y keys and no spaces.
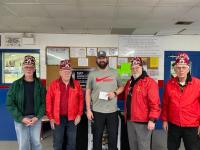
{"x":153,"y":62}
{"x":113,"y":62}
{"x":91,"y":51}
{"x":83,"y":62}
{"x":76,"y":52}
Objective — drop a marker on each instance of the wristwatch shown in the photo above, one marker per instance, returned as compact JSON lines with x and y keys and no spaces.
{"x":115,"y":93}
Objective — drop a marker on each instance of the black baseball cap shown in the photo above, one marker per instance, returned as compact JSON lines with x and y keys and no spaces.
{"x":101,"y":54}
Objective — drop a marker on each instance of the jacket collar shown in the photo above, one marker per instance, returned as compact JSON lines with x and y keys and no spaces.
{"x":188,"y":80}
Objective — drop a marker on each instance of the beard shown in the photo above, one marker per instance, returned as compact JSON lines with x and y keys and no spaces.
{"x":135,"y":76}
{"x":102,"y":64}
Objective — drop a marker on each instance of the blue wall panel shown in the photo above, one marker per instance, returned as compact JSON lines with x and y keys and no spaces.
{"x":7,"y":130}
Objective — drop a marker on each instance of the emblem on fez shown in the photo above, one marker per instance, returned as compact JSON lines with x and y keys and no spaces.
{"x":182,"y":61}
{"x":67,"y":65}
{"x":135,"y":62}
{"x":29,"y":61}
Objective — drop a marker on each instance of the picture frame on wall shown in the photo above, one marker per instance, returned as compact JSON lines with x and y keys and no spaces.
{"x":55,"y":54}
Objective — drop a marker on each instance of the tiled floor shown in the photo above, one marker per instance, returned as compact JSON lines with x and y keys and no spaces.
{"x":159,"y":142}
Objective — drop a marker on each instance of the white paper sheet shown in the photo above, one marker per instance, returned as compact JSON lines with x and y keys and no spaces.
{"x":103,"y":95}
{"x":91,"y":51}
{"x":83,"y":62}
{"x":113,"y":62}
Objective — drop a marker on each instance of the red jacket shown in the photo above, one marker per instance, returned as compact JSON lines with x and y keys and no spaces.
{"x":182,"y":108}
{"x":75,"y":101}
{"x":145,"y":101}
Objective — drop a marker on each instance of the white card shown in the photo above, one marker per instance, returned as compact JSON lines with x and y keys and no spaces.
{"x":103,"y":95}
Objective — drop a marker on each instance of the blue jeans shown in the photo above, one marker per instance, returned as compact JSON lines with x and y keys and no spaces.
{"x":59,"y":131}
{"x":28,"y":137}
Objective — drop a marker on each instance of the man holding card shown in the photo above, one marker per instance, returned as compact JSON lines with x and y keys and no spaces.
{"x":103,"y":86}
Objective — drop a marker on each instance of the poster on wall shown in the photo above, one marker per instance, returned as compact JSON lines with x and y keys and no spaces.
{"x":13,"y":41}
{"x":55,"y":54}
{"x":139,"y":46}
{"x":91,"y":51}
{"x":81,"y":74}
{"x":150,"y":64}
{"x":113,"y":62}
{"x":110,"y":51}
{"x":77,"y":52}
{"x":83,"y":62}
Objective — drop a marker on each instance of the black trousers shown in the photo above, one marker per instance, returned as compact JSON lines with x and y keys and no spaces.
{"x":189,"y":134}
{"x":111,"y":121}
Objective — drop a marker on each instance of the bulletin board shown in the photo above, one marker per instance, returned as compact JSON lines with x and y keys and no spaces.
{"x":87,"y":59}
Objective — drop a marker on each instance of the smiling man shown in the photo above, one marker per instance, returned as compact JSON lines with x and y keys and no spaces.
{"x":64,"y":107}
{"x":142,"y":106}
{"x":103,"y":86}
{"x":181,"y":107}
{"x":26,"y":103}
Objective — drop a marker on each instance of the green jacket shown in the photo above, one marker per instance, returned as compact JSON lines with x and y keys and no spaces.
{"x":15,"y":99}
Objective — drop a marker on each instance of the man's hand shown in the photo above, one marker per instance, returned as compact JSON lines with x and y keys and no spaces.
{"x":151,"y":125}
{"x":77,"y":120}
{"x":33,"y":120}
{"x":26,"y":121}
{"x":111,"y":95}
{"x":165,"y":125}
{"x":90,"y":115}
{"x":52,"y":122}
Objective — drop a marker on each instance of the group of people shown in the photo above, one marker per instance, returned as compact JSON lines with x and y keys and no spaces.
{"x":180,"y":111}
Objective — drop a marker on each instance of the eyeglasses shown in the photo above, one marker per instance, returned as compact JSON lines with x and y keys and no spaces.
{"x":182,"y":68}
{"x":136,"y":67}
{"x":29,"y":68}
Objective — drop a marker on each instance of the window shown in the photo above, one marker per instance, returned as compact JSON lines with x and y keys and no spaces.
{"x":12,"y":65}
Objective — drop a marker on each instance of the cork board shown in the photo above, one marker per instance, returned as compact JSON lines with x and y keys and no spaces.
{"x":52,"y":73}
{"x":91,"y":62}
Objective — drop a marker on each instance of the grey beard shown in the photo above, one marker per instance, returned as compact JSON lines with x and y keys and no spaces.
{"x":135,"y":76}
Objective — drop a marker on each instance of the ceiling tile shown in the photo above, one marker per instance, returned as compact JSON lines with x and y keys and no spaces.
{"x":192,"y":14}
{"x":22,"y":29}
{"x":98,"y":31}
{"x":98,"y":2}
{"x":133,"y":12}
{"x":168,"y":12}
{"x":37,"y":21}
{"x":18,"y":1}
{"x":126,"y":23}
{"x":97,"y":12}
{"x":32,"y":10}
{"x":60,"y":11}
{"x":73,"y":23}
{"x":14,"y":21}
{"x":170,"y":31}
{"x":145,"y":31}
{"x":97,"y":23}
{"x":191,"y":31}
{"x":58,"y":1}
{"x":4,"y":11}
{"x":138,"y":2}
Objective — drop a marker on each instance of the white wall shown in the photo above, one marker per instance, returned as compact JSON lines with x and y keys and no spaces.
{"x":175,"y":42}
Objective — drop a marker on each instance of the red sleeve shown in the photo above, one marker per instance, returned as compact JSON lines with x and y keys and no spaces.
{"x":49,"y":102}
{"x":154,"y":100}
{"x":165,"y":102}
